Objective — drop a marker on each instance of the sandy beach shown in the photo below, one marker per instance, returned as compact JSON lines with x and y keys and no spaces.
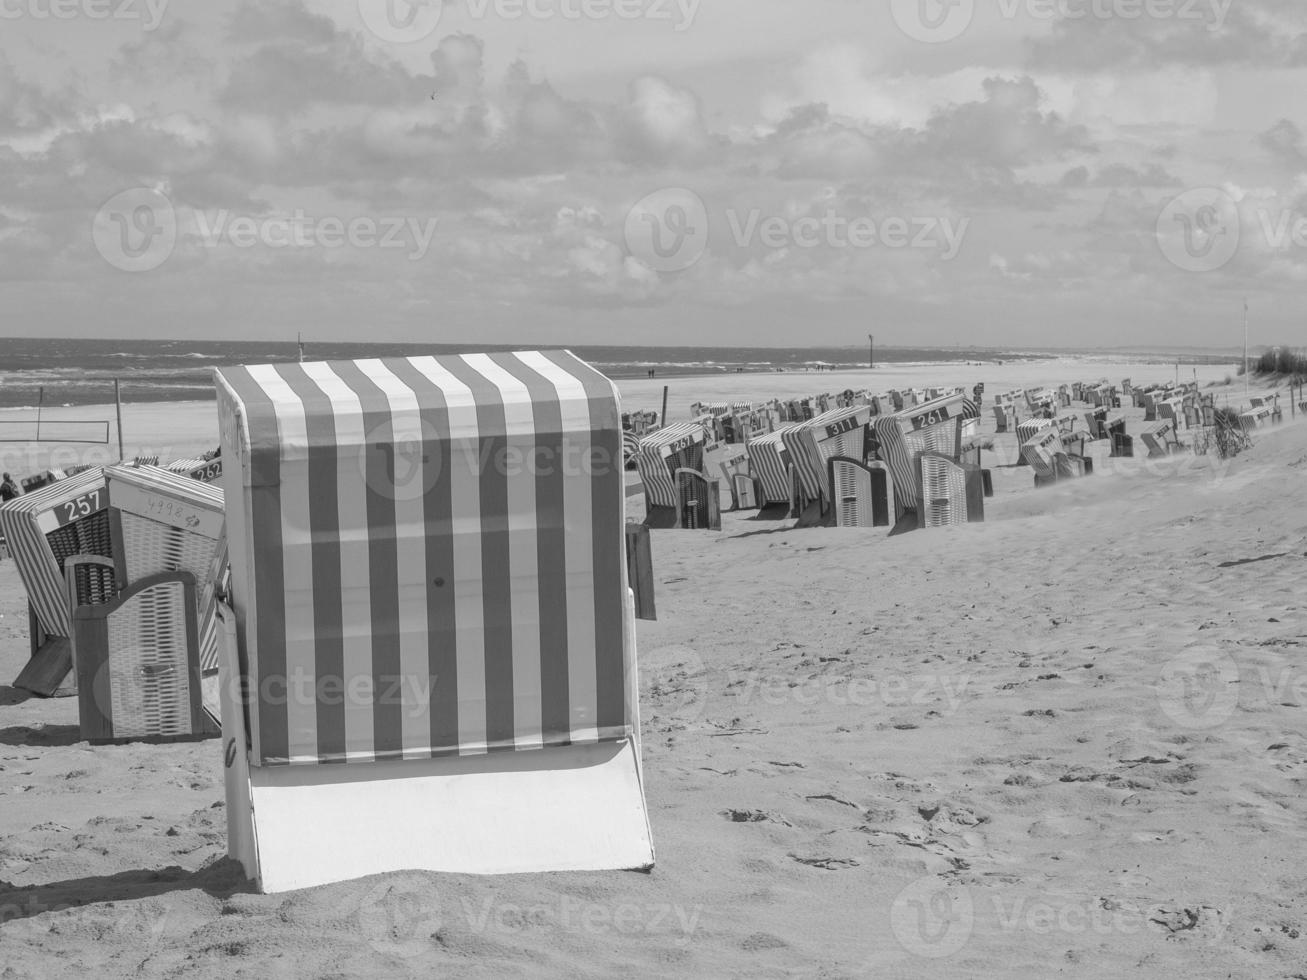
{"x":1065,"y":742}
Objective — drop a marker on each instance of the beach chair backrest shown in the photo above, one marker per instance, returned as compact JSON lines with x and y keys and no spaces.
{"x":673,"y":447}
{"x":138,"y":668}
{"x":841,"y":432}
{"x":863,"y":493}
{"x":943,"y":492}
{"x":49,"y":525}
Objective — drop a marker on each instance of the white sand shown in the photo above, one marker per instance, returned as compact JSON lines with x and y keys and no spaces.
{"x":966,"y":752}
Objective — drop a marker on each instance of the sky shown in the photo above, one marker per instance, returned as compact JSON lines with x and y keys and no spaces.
{"x":1071,"y":173}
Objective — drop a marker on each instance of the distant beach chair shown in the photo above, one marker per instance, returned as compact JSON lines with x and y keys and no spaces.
{"x":1003,"y":418}
{"x":1027,"y":429}
{"x":476,"y":617}
{"x":698,"y":501}
{"x":1256,"y":417}
{"x":1161,"y":438}
{"x":43,"y":529}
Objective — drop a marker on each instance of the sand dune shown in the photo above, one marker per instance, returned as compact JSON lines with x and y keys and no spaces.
{"x":1068,"y":741}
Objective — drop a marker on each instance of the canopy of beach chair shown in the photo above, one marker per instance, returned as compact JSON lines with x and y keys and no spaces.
{"x":446,"y":532}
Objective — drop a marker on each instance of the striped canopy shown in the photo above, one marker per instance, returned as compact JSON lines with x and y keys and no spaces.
{"x":677,"y":445}
{"x":427,"y":555}
{"x":770,"y":461}
{"x":48,"y":525}
{"x":933,"y":426}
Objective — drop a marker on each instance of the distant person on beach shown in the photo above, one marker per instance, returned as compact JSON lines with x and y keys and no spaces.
{"x":8,"y":489}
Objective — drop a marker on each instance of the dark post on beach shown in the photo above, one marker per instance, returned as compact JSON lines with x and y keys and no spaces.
{"x":662,"y":419}
{"x":118,"y":405}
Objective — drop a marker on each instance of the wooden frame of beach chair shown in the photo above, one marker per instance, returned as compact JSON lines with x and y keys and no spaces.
{"x":863,"y":493}
{"x":476,"y":617}
{"x":43,"y":529}
{"x":951,"y":493}
{"x":138,"y":663}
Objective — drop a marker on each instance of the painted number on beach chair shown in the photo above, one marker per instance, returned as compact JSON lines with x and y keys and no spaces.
{"x":80,"y":507}
{"x":685,"y":442}
{"x":930,"y":418}
{"x":843,"y":426}
{"x":208,"y":472}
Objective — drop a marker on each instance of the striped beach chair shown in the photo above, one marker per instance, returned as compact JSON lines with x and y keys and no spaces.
{"x":42,"y":530}
{"x":771,"y":464}
{"x":839,"y":432}
{"x":1040,"y":453}
{"x":430,"y":608}
{"x":663,"y":453}
{"x":931,"y":427}
{"x":1161,"y":438}
{"x":1027,"y":429}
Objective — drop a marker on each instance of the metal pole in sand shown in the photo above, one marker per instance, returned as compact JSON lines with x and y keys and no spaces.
{"x":662,"y":419}
{"x":118,"y":405}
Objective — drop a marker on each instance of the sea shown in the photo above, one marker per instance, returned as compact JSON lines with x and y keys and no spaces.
{"x":83,"y":372}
